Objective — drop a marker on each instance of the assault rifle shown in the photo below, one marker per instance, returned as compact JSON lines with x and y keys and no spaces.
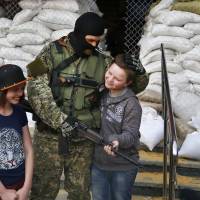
{"x":98,"y":139}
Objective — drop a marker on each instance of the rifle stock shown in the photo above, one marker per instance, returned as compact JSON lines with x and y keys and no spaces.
{"x":98,"y":139}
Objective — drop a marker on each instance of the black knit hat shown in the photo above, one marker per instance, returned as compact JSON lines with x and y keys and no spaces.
{"x":89,"y":24}
{"x":10,"y":75}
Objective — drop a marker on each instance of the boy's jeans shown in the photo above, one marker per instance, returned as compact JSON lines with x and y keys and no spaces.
{"x":112,"y":185}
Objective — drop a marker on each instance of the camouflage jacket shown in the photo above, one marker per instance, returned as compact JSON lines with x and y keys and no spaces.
{"x":40,"y":94}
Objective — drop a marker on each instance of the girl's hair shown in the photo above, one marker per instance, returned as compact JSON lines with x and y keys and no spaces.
{"x":3,"y":97}
{"x":121,"y":61}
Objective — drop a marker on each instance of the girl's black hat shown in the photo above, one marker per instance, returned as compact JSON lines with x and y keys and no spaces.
{"x":10,"y":75}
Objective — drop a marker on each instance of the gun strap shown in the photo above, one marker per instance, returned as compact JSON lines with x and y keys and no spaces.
{"x":65,"y":63}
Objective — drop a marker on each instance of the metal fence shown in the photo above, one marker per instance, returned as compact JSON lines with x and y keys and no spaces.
{"x":133,"y":20}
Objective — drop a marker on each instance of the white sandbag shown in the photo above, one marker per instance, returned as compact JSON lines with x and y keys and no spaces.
{"x":156,"y":67}
{"x":70,"y":5}
{"x":155,"y":88}
{"x":5,"y":23}
{"x":52,"y":26}
{"x":15,"y":54}
{"x":30,"y":4}
{"x":32,"y":27}
{"x":24,"y":16}
{"x":176,"y":18}
{"x":191,"y":65}
{"x":148,"y":25}
{"x":162,"y":29}
{"x":22,"y":64}
{"x":178,"y":82}
{"x":196,"y":39}
{"x":60,"y":33}
{"x":195,"y":27}
{"x":156,"y":56}
{"x":5,"y":43}
{"x":190,"y":147}
{"x":58,"y":17}
{"x":33,"y":49}
{"x":149,"y":44}
{"x":164,"y":4}
{"x":193,"y":77}
{"x":3,"y":33}
{"x":196,"y":88}
{"x":195,"y":121}
{"x":151,"y":136}
{"x":193,"y":54}
{"x":155,"y":78}
{"x":21,"y":39}
{"x":185,"y":104}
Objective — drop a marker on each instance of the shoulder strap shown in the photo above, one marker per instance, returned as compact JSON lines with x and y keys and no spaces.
{"x":65,"y":63}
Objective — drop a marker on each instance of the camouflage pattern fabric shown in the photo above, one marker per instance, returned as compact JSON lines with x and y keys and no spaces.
{"x":47,"y":174}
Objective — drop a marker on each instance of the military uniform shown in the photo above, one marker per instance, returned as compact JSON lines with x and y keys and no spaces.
{"x":78,"y":99}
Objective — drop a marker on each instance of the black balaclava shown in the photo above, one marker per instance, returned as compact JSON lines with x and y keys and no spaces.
{"x":87,"y":24}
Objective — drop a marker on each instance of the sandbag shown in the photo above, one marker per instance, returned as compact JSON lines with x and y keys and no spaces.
{"x":30,"y":4}
{"x":15,"y":54}
{"x":58,"y":17}
{"x":192,"y":6}
{"x":33,"y":49}
{"x":156,"y":56}
{"x":151,"y":136}
{"x":172,"y":67}
{"x":192,"y":65}
{"x":195,"y":27}
{"x":32,"y":27}
{"x":24,"y":16}
{"x":149,"y":44}
{"x":190,"y":147}
{"x":162,"y":29}
{"x":60,"y":33}
{"x":195,"y":40}
{"x":177,"y":18}
{"x":5,"y":43}
{"x":70,"y":5}
{"x":21,"y":39}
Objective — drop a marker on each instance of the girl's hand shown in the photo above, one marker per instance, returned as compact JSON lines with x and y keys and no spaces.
{"x":9,"y":194}
{"x":22,"y":194}
{"x":109,"y":148}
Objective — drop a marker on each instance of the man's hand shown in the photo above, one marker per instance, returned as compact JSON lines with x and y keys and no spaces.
{"x":68,"y":126}
{"x":109,"y":148}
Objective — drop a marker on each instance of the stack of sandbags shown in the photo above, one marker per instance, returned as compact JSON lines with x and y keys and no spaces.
{"x":38,"y":23}
{"x":179,"y":32}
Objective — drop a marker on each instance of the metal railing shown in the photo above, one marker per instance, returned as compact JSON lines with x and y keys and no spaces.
{"x":170,"y":136}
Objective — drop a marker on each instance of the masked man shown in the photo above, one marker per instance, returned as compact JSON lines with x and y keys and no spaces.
{"x":65,"y":76}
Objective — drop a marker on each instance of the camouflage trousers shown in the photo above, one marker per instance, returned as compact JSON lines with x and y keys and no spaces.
{"x":49,"y":165}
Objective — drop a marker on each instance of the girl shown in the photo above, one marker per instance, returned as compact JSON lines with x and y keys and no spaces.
{"x":16,"y":153}
{"x":113,"y":176}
